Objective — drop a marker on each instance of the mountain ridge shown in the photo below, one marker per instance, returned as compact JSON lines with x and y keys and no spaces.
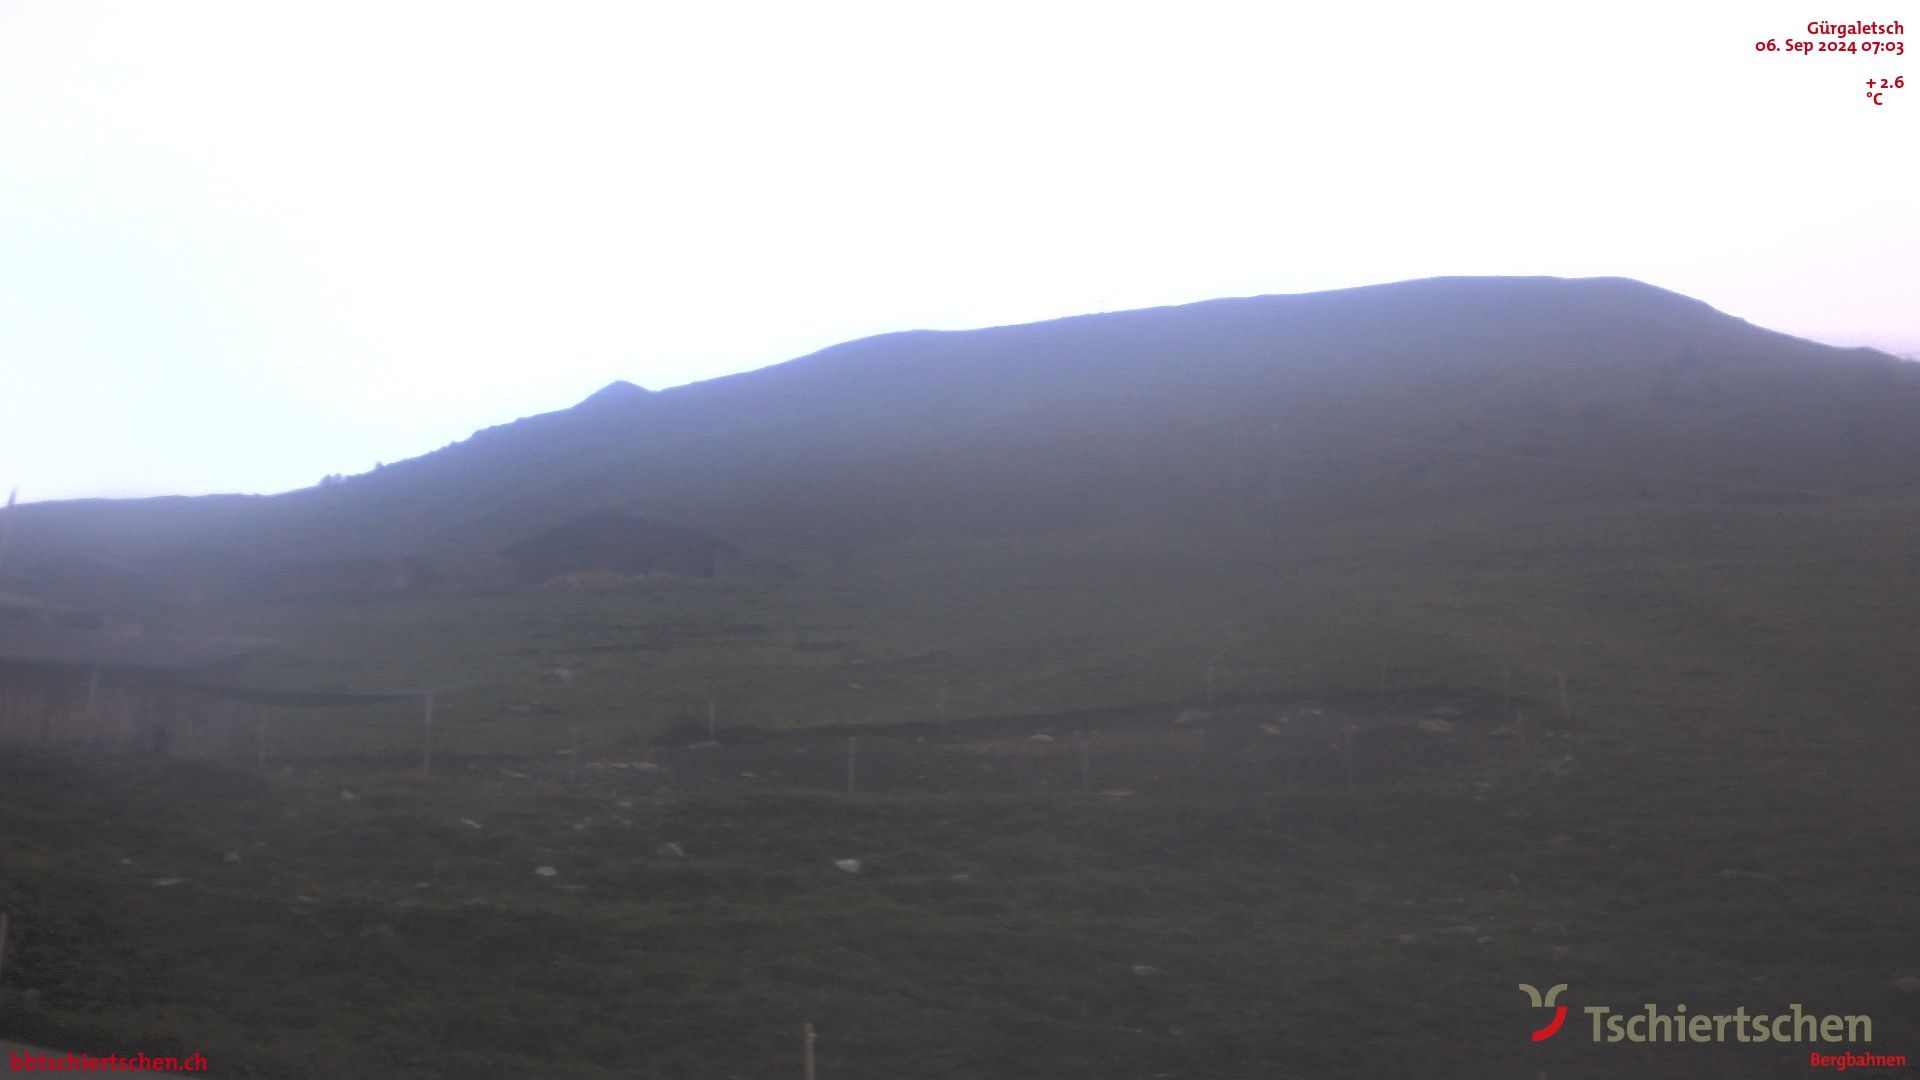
{"x":1202,"y":408}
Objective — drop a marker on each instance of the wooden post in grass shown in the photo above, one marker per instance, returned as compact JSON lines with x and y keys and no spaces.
{"x":1519,"y":714}
{"x":426,"y":739}
{"x":1086,"y":766}
{"x":853,"y":752}
{"x":806,"y":1051}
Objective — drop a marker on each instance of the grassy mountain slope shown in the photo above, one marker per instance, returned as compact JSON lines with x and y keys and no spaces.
{"x":1328,"y":403}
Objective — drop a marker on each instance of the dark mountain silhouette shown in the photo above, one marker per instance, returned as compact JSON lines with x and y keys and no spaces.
{"x":1427,"y":393}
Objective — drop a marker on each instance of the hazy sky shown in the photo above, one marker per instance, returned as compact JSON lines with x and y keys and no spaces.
{"x":243,"y":245}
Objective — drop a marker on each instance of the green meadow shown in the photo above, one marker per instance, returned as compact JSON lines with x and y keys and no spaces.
{"x":1723,"y":815}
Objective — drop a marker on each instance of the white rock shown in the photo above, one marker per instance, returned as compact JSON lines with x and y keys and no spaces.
{"x":851,"y":866}
{"x":545,"y":871}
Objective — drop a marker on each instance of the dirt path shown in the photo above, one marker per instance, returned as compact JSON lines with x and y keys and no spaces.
{"x":1250,"y":748}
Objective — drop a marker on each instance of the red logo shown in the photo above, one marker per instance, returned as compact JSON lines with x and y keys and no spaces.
{"x":1559,"y":1011}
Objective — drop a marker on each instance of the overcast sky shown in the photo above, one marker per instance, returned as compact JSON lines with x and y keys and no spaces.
{"x":243,"y":245}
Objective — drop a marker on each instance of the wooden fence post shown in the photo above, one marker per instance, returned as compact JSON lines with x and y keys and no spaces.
{"x":426,"y":739}
{"x":1086,"y":766}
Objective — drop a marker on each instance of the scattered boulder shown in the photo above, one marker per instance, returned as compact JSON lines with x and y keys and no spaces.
{"x":545,"y":871}
{"x":851,"y":866}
